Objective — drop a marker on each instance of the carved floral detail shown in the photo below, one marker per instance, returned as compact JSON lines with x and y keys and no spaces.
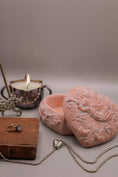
{"x":92,"y":118}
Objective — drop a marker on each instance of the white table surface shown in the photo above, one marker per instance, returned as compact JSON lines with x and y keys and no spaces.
{"x":61,"y":164}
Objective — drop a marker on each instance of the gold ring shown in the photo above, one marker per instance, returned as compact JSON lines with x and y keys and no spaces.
{"x":14,"y":128}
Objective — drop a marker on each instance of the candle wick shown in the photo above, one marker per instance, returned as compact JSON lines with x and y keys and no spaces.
{"x":28,"y":86}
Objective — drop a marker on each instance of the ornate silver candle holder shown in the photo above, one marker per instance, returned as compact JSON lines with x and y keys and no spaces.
{"x":30,"y":97}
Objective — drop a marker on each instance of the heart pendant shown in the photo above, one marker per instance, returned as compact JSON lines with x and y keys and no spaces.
{"x":57,"y":143}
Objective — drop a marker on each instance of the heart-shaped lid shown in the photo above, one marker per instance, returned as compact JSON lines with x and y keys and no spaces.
{"x":93,"y":118}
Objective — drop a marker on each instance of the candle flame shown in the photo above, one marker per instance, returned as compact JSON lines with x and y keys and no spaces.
{"x":28,"y":80}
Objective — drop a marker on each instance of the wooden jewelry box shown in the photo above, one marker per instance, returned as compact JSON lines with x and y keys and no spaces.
{"x":19,"y":137}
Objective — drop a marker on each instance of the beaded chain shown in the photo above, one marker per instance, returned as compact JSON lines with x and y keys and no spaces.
{"x":57,"y":144}
{"x":23,"y":101}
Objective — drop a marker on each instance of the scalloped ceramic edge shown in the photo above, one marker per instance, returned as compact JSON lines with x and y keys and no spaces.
{"x":51,"y":113}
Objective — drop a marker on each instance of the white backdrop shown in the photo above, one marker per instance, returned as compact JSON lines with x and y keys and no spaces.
{"x":60,"y":38}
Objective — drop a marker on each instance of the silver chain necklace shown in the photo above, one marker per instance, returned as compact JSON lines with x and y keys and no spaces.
{"x":57,"y":144}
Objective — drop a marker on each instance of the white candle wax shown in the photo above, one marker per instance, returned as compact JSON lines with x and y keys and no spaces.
{"x":22,"y":85}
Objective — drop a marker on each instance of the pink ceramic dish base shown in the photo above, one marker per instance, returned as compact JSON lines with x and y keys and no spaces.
{"x":51,"y":113}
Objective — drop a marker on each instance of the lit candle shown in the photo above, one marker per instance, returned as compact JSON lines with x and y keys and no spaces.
{"x":26,"y":84}
{"x":31,"y":91}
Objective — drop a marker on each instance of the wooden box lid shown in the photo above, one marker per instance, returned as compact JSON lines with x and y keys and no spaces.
{"x":20,"y":145}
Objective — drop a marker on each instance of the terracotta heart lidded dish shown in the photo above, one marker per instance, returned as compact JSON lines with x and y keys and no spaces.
{"x":91,"y":117}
